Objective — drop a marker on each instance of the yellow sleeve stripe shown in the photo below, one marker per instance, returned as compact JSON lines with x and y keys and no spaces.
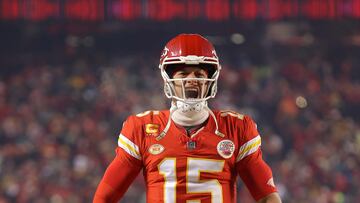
{"x":249,"y":147}
{"x":129,"y":146}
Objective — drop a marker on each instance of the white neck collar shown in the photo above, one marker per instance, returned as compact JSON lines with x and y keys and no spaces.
{"x":186,"y":114}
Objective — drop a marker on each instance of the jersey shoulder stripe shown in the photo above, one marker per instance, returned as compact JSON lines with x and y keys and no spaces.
{"x":249,"y":147}
{"x":130,"y":147}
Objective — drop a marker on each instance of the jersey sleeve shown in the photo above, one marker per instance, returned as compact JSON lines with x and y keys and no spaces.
{"x":124,"y":168}
{"x":129,"y":140}
{"x":250,"y":139}
{"x":252,"y":169}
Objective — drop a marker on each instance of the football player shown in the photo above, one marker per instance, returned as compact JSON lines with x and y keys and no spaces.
{"x":190,"y":153}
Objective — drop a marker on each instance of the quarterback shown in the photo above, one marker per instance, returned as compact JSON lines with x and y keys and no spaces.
{"x":189,"y":153}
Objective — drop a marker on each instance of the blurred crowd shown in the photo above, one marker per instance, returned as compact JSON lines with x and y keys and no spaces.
{"x":59,"y":121}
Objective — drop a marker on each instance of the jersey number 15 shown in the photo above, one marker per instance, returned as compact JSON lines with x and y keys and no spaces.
{"x":167,"y":168}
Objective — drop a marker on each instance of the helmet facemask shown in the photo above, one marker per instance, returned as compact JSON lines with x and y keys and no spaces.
{"x":190,"y":90}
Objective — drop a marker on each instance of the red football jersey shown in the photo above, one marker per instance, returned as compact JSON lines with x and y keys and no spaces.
{"x":179,"y":168}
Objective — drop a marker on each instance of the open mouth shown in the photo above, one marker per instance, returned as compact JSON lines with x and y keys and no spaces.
{"x":191,"y":93}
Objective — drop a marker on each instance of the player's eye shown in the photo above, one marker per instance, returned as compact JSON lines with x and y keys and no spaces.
{"x":180,"y":74}
{"x":183,"y":74}
{"x":200,"y":75}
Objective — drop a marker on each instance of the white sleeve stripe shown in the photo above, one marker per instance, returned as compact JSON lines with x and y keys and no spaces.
{"x":129,"y":142}
{"x":129,"y":146}
{"x":249,"y":147}
{"x":129,"y":151}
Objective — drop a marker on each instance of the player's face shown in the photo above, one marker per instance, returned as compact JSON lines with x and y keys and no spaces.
{"x":194,"y":86}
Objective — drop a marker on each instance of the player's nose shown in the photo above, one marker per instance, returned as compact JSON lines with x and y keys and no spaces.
{"x":190,"y":76}
{"x":189,"y":80}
